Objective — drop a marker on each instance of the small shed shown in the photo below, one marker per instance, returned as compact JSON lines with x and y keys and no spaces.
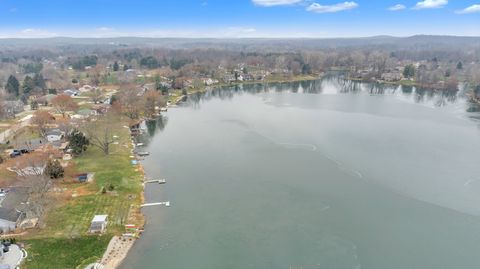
{"x":99,"y":224}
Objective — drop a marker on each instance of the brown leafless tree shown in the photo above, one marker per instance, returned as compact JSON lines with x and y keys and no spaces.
{"x":100,"y":132}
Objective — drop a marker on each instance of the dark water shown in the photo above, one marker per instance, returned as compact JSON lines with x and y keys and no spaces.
{"x":323,"y":174}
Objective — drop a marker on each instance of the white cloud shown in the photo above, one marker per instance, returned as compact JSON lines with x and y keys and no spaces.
{"x":397,"y":7}
{"x":431,"y":4}
{"x":104,"y":29}
{"x":34,"y":33}
{"x":317,"y":8}
{"x":470,"y":9}
{"x":232,"y":32}
{"x":271,"y":3}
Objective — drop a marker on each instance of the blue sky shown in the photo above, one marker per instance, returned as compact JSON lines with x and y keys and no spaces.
{"x":237,"y":18}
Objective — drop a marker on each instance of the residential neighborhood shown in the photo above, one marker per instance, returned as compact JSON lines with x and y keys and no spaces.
{"x":75,"y":125}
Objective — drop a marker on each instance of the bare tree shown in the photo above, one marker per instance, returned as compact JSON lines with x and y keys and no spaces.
{"x":42,"y":118}
{"x":63,"y":104}
{"x":39,"y":200}
{"x":99,"y":132}
{"x":152,"y":100}
{"x":96,"y":95}
{"x":130,"y":100}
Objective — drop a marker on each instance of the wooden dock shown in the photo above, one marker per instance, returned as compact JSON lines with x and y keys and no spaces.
{"x":167,"y":204}
{"x":159,"y":181}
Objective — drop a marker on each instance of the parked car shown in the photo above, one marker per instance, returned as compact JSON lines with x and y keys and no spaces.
{"x":15,"y":153}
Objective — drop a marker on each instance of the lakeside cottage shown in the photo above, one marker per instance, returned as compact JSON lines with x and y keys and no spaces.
{"x":392,"y":76}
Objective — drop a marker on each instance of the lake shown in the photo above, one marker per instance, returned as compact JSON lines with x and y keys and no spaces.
{"x":320,"y":174}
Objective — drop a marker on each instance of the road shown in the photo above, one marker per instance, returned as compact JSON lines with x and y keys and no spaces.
{"x":5,"y":135}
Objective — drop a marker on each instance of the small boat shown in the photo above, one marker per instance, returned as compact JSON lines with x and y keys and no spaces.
{"x":140,"y":144}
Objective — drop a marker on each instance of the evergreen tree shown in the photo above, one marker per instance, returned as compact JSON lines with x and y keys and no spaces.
{"x":78,"y":142}
{"x":460,"y":65}
{"x":306,"y":69}
{"x":39,"y":81}
{"x":34,"y":105}
{"x":116,"y":67}
{"x":409,"y":71}
{"x":125,"y":67}
{"x":13,"y":86}
{"x":158,"y":83}
{"x":28,"y":85}
{"x":54,"y":169}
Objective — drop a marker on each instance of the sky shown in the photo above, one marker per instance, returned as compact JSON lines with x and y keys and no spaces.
{"x":238,"y":18}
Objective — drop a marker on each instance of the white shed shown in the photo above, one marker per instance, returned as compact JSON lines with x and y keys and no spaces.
{"x":99,"y":224}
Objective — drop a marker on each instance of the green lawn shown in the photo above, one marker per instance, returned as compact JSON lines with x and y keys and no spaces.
{"x":26,"y":134}
{"x":65,"y":253}
{"x":72,"y":219}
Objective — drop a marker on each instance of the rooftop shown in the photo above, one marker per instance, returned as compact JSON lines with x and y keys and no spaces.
{"x":11,"y":203}
{"x":100,"y":218}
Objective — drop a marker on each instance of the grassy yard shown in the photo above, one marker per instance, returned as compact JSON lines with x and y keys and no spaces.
{"x":68,"y":223}
{"x":65,"y":253}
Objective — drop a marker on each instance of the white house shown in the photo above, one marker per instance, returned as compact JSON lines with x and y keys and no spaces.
{"x":54,"y":135}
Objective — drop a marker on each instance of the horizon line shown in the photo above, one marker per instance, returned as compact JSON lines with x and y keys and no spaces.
{"x":232,"y":38}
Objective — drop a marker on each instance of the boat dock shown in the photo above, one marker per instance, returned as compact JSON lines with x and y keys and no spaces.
{"x":159,"y":181}
{"x":143,"y":153}
{"x":167,"y":204}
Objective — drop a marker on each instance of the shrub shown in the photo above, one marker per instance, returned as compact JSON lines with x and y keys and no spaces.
{"x":54,"y":169}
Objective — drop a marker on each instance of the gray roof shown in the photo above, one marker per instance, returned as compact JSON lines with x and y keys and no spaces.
{"x":54,"y":132}
{"x":12,"y":204}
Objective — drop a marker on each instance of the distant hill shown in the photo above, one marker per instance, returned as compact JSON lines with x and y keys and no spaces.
{"x":249,"y":43}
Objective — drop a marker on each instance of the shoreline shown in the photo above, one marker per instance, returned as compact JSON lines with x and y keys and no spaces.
{"x":117,"y":262}
{"x":179,"y":98}
{"x":404,"y":83}
{"x":120,"y":245}
{"x":113,"y":263}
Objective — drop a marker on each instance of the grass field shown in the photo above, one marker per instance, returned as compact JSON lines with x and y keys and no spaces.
{"x":65,"y":253}
{"x":65,"y":235}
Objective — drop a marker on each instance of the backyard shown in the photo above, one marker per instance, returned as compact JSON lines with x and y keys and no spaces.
{"x":67,"y":224}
